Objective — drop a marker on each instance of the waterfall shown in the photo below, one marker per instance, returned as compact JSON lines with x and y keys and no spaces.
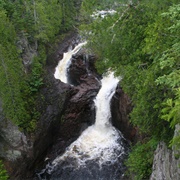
{"x":99,"y":141}
{"x":100,"y":150}
{"x":102,"y":101}
{"x":63,"y":65}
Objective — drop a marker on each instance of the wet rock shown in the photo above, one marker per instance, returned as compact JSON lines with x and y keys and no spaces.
{"x":82,"y":67}
{"x":79,"y":110}
{"x":14,"y":146}
{"x":121,"y":107}
{"x":166,"y":162}
{"x":63,"y":46}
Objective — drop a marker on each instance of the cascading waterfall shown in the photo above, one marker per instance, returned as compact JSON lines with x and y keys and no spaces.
{"x":99,"y":152}
{"x":99,"y":141}
{"x":63,"y":65}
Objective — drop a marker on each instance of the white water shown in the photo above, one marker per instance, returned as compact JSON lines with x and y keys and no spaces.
{"x":63,"y":65}
{"x":99,"y":142}
{"x":103,"y":13}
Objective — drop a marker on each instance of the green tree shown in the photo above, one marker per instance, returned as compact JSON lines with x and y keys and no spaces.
{"x":47,"y":18}
{"x":141,"y":43}
{"x":10,"y":71}
{"x":169,"y":63}
{"x":3,"y":172}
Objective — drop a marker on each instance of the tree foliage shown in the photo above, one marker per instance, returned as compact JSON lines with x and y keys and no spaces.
{"x":140,"y":42}
{"x":10,"y":71}
{"x":39,"y":22}
{"x":3,"y":172}
{"x":33,"y":24}
{"x":141,"y":157}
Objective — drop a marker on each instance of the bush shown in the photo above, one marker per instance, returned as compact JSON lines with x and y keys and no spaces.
{"x":3,"y":172}
{"x":140,"y":160}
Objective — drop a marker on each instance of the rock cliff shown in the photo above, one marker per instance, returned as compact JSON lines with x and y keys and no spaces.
{"x":166,"y":162}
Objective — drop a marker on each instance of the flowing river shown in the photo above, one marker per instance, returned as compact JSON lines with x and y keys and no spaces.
{"x":99,"y":152}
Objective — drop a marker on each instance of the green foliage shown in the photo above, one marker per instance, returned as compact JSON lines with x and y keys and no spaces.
{"x":30,"y":92}
{"x":69,"y":11}
{"x":35,"y":23}
{"x":171,"y":112}
{"x":47,"y":19}
{"x":141,"y":43}
{"x":3,"y":172}
{"x":41,"y":20}
{"x":169,"y":63}
{"x":10,"y":71}
{"x":35,"y":80}
{"x":140,"y":160}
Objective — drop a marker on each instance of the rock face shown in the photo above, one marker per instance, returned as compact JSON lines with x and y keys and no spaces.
{"x":166,"y":164}
{"x":13,"y":142}
{"x":28,"y":51}
{"x":121,"y":107}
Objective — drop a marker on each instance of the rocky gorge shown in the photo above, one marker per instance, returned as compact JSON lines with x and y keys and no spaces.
{"x":66,"y":110}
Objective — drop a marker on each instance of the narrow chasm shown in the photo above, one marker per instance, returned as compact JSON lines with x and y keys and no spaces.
{"x":85,"y":143}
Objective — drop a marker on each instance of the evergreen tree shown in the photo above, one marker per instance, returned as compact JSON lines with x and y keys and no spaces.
{"x":141,"y":43}
{"x":10,"y":71}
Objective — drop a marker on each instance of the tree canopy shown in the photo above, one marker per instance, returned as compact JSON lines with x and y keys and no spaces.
{"x":140,"y":42}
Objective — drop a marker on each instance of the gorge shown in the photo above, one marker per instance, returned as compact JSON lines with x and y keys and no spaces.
{"x":64,"y":114}
{"x":100,"y":150}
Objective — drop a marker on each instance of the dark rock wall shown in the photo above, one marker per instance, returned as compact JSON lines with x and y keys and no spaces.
{"x":121,"y":107}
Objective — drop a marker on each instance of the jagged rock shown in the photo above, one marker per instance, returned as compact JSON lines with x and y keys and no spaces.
{"x":121,"y":107}
{"x":82,"y":66}
{"x":79,"y":111}
{"x":166,"y":164}
{"x":14,"y":145}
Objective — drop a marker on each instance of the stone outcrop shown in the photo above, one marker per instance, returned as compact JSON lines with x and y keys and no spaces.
{"x":13,"y":142}
{"x":166,"y":162}
{"x":28,"y":51}
{"x":121,"y":107}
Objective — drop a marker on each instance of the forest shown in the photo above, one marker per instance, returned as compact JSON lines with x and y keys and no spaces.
{"x":140,"y":42}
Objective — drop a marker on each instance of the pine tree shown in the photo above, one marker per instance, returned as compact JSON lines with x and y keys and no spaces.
{"x":10,"y":71}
